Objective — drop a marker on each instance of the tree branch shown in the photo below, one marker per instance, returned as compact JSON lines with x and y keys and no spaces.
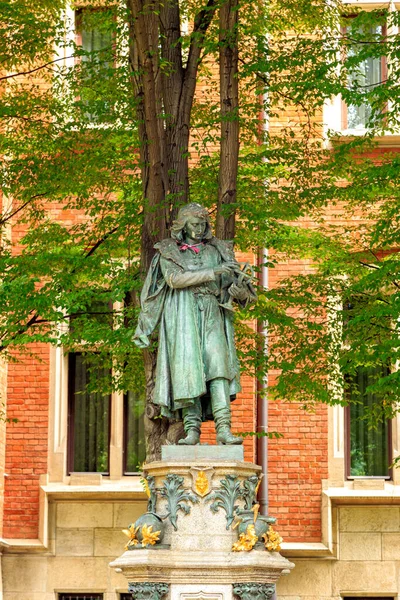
{"x":35,"y":319}
{"x":6,"y":218}
{"x":29,"y":72}
{"x":201,"y":24}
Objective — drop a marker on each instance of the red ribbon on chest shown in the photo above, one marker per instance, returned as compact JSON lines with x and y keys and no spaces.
{"x":195,"y":247}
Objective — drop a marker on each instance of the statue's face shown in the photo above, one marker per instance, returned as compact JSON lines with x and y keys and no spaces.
{"x":195,"y":229}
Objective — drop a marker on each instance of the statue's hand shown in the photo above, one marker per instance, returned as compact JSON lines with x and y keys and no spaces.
{"x":239,"y":291}
{"x":227,"y":268}
{"x":141,"y":341}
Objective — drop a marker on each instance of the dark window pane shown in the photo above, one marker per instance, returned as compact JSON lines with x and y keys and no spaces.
{"x":364,"y":77}
{"x":135,"y":448}
{"x":125,"y":597}
{"x":96,"y":39}
{"x":369,"y":447}
{"x":89,"y":418}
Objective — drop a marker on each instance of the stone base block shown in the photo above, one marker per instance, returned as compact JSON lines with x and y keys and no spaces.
{"x":200,"y":497}
{"x":202,"y":452}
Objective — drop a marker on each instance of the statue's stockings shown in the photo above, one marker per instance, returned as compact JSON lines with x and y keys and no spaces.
{"x":220,"y":404}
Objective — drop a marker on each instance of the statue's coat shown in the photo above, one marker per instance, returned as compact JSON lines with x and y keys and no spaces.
{"x":196,"y":340}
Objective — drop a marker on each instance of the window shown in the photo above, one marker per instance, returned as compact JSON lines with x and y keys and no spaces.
{"x":125,"y":597}
{"x":89,"y":414}
{"x":363,"y":74}
{"x":368,"y":449}
{"x":70,"y":596}
{"x":134,"y":438}
{"x":94,"y":35}
{"x":90,"y":421}
{"x":94,"y":39}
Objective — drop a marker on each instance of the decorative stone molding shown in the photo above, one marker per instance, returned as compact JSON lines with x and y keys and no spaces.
{"x":150,"y":488}
{"x":250,"y":489}
{"x":177,"y":498}
{"x":202,"y":567}
{"x":198,"y":563}
{"x":226,"y":498}
{"x":148,"y":591}
{"x":201,"y":480}
{"x":231,"y":490}
{"x":254,"y":591}
{"x":201,"y":596}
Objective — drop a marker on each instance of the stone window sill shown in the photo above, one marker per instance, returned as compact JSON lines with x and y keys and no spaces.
{"x":121,"y":489}
{"x":390,"y":494}
{"x":383,"y":141}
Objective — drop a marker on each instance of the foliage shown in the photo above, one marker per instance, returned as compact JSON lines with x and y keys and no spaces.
{"x":71,"y":143}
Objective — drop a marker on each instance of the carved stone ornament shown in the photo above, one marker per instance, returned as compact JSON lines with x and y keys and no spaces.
{"x":150,"y":489}
{"x":177,"y":498}
{"x":201,"y":596}
{"x":148,"y":591}
{"x":202,"y":477}
{"x":254,"y":591}
{"x":250,"y":489}
{"x":226,"y":497}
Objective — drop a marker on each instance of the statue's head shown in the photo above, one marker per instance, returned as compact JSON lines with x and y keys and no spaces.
{"x":190,"y":211}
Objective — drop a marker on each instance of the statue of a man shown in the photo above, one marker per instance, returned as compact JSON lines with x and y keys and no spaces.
{"x":187,"y":294}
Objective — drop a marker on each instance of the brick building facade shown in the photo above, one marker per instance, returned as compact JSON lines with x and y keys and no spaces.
{"x":60,"y":530}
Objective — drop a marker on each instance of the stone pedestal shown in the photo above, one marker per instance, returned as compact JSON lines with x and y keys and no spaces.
{"x":201,"y":493}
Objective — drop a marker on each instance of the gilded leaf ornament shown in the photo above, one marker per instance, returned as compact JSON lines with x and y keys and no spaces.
{"x":146,"y":488}
{"x":202,"y":485}
{"x":272,"y":540}
{"x":149,"y":537}
{"x":151,"y":493}
{"x":255,"y":511}
{"x":250,"y":489}
{"x":131,"y":533}
{"x":246,"y":541}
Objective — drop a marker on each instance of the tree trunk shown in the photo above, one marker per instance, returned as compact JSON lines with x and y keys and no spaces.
{"x":176,"y":133}
{"x":144,"y":55}
{"x":164,"y":144}
{"x":229,"y":102}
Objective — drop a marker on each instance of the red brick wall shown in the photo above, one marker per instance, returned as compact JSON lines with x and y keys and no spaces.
{"x":3,"y":402}
{"x":297,"y":463}
{"x":26,"y":442}
{"x":244,"y":410}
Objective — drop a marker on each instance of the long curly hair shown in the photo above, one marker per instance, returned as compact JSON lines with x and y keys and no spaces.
{"x":184,"y":214}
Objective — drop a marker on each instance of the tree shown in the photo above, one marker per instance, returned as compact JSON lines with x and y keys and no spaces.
{"x":99,"y":151}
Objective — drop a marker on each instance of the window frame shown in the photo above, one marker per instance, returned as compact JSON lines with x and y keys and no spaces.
{"x":80,"y":596}
{"x":339,"y":455}
{"x":332,"y":108}
{"x":78,"y":11}
{"x":347,"y":434}
{"x":125,"y":438}
{"x":384,"y":73}
{"x":347,"y":451}
{"x":71,"y":421}
{"x":77,"y":37}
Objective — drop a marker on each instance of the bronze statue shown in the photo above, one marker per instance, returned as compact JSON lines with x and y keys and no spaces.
{"x":187,"y":294}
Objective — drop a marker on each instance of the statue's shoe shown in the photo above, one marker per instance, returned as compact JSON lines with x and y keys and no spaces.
{"x":226,"y":438}
{"x":192,"y":439}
